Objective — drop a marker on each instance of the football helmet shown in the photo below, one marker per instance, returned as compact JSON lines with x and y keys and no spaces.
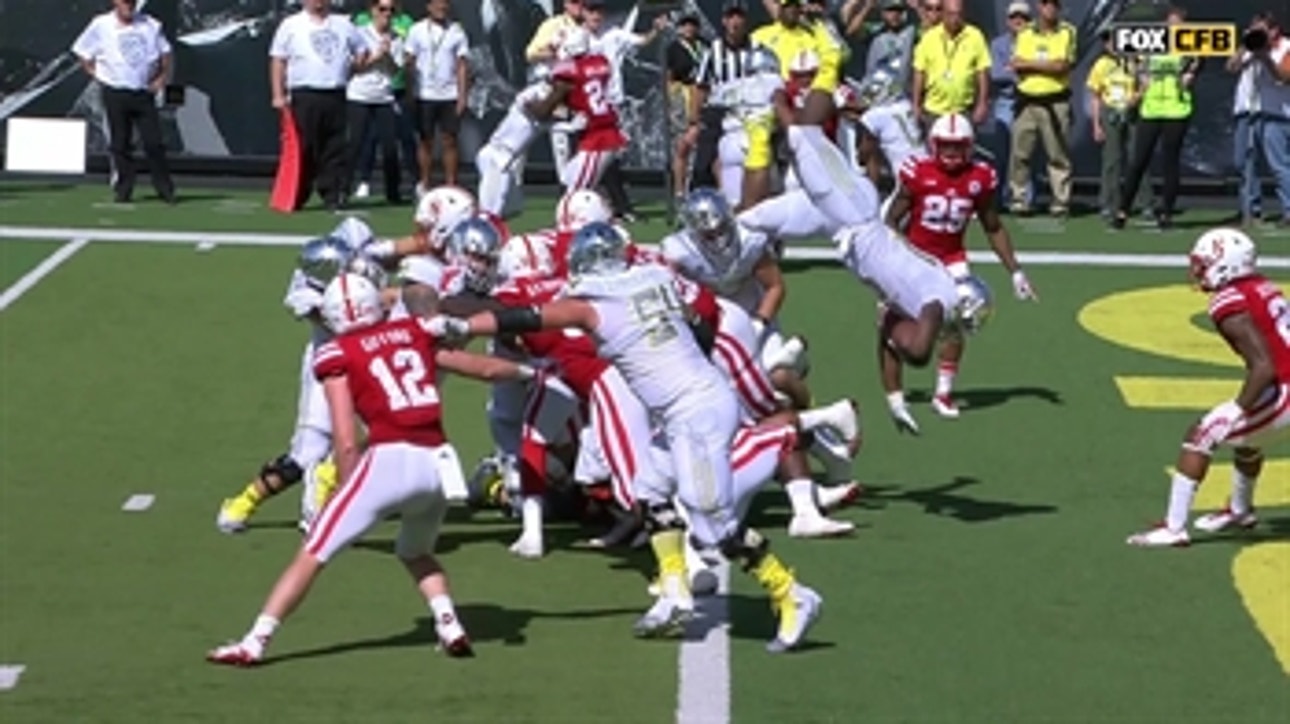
{"x":951,"y":140}
{"x":1221,"y":256}
{"x":525,"y":256}
{"x":441,"y":210}
{"x":579,"y":208}
{"x":710,"y":222}
{"x":763,"y":60}
{"x":576,"y":43}
{"x":368,"y":268}
{"x":976,"y":304}
{"x":805,"y":62}
{"x":351,"y":302}
{"x":323,"y":258}
{"x":597,"y":248}
{"x":882,"y":84}
{"x":476,"y":244}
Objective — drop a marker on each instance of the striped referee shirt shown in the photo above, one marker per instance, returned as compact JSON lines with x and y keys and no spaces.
{"x":721,"y":66}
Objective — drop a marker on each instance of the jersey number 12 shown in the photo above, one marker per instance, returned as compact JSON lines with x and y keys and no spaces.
{"x":410,"y":388}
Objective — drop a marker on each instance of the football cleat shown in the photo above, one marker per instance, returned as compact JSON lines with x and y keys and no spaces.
{"x":818,"y":526}
{"x":904,"y":420}
{"x":528,"y":546}
{"x":239,"y":653}
{"x":234,"y":514}
{"x":945,"y":407}
{"x":797,"y":611}
{"x":837,"y":496}
{"x":1160,"y":537}
{"x":1225,"y":519}
{"x":668,"y":616}
{"x":453,"y":640}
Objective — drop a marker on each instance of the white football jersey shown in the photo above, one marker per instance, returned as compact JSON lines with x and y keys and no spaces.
{"x":902,"y":276}
{"x":302,"y":297}
{"x":752,"y":99}
{"x":897,"y":132}
{"x":643,"y":332}
{"x":517,"y":130}
{"x":732,"y":279}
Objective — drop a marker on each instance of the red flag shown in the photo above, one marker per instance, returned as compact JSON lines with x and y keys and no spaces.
{"x":286,"y":186}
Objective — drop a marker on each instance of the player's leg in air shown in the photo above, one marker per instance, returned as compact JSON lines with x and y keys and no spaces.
{"x":496,"y":178}
{"x":550,"y":407}
{"x":731,"y":152}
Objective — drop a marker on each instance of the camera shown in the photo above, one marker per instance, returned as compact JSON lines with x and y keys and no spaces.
{"x":1255,"y":40}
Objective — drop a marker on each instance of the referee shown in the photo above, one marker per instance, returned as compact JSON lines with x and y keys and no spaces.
{"x":128,"y":55}
{"x":724,"y":62}
{"x":310,"y":62}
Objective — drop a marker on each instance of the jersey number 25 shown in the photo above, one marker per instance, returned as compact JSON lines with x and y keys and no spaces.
{"x":946,"y":214}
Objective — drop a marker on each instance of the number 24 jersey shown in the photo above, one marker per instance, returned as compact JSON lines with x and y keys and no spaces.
{"x":591,"y":77}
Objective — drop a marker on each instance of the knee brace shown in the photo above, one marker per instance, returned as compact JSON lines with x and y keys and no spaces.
{"x":659,"y":517}
{"x":286,"y":471}
{"x":746,"y":546}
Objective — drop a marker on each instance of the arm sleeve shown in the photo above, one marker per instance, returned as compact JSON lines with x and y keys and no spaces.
{"x":462,"y":42}
{"x":87,"y":44}
{"x":329,"y":361}
{"x":163,"y":44}
{"x":280,"y":48}
{"x":542,"y":39}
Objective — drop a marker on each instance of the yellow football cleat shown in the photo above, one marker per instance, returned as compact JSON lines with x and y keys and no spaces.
{"x":234,"y":513}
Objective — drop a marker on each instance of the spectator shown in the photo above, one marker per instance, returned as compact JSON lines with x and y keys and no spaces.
{"x":404,"y":112}
{"x":951,"y":67}
{"x":311,"y":57}
{"x":1246,"y":117}
{"x":1273,"y":86}
{"x":127,"y":53}
{"x":1003,"y":94}
{"x":370,"y":93}
{"x":1042,"y":60}
{"x":724,"y":64}
{"x":1112,"y":101}
{"x":437,"y":49}
{"x":792,"y":31}
{"x":683,"y":57}
{"x":1165,"y":111}
{"x":892,"y":45}
{"x":853,"y":14}
{"x":616,"y":44}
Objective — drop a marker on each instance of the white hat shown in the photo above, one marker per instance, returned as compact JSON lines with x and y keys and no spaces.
{"x":1019,"y":7}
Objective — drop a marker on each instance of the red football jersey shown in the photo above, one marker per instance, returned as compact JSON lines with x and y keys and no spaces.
{"x":700,"y":298}
{"x":1267,"y":307}
{"x":590,"y":77}
{"x":944,"y":203}
{"x":391,"y":372}
{"x":573,"y":351}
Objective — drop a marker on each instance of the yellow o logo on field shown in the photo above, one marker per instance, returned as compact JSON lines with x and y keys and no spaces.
{"x":1159,"y":321}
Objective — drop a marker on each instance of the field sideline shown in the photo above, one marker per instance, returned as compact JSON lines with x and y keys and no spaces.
{"x":988,"y":580}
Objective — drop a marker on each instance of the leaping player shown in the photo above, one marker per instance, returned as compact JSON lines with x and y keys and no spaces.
{"x":1253,"y":316}
{"x":937,"y":195}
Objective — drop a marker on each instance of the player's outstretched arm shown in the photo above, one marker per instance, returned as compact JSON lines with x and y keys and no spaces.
{"x":482,"y":367}
{"x":344,"y":440}
{"x":1001,"y":242}
{"x":900,"y":208}
{"x":774,"y":290}
{"x":1260,"y":374}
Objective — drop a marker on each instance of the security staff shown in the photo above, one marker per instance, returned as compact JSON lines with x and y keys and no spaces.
{"x":310,"y":60}
{"x":126,"y":52}
{"x":1043,"y":58}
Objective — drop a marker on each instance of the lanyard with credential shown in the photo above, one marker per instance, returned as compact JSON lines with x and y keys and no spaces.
{"x":950,"y":48}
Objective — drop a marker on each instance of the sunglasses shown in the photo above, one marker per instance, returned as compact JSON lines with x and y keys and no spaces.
{"x":932,"y":8}
{"x":384,"y":8}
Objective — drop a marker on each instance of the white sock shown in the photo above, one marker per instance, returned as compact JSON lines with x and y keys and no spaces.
{"x":1181,"y":492}
{"x":801,"y":495}
{"x":812,"y":418}
{"x":895,"y":399}
{"x":1242,"y":500}
{"x":945,"y":373}
{"x":531,"y":515}
{"x":443,"y":610}
{"x":262,"y":630}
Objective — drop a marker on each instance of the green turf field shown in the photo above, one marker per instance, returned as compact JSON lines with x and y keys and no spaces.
{"x":988,"y":580}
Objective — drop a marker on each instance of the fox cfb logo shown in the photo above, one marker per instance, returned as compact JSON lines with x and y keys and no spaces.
{"x":1193,"y":39}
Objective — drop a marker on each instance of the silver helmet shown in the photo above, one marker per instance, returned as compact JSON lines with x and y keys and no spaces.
{"x":477,"y":244}
{"x":710,"y":222}
{"x":763,"y":60}
{"x":323,"y":258}
{"x":883,"y":83}
{"x":597,"y":248}
{"x":368,"y":268}
{"x":976,"y":304}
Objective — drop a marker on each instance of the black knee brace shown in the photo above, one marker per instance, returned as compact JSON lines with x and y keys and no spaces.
{"x":659,"y":517}
{"x":746,"y":546}
{"x":285,"y":469}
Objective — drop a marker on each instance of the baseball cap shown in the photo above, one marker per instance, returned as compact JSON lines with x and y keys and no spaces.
{"x":1019,"y":7}
{"x":689,"y":19}
{"x":734,"y":6}
{"x":893,"y":4}
{"x":789,"y":3}
{"x":593,"y":4}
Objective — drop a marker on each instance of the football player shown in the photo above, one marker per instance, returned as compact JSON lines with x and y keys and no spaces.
{"x":385,"y":372}
{"x":1253,"y":316}
{"x":320,"y":261}
{"x":937,"y":195}
{"x":641,"y":326}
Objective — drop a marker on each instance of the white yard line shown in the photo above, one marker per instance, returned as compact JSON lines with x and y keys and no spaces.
{"x":798,"y":253}
{"x":703,"y":686}
{"x":43,"y":269}
{"x":138,"y":503}
{"x":9,"y":675}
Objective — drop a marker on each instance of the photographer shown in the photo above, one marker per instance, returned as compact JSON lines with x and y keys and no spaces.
{"x":1270,"y":52}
